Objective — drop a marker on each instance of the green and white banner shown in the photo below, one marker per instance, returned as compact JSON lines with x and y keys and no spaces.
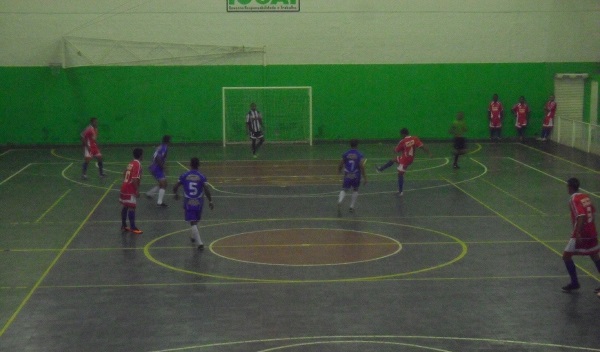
{"x":263,"y":5}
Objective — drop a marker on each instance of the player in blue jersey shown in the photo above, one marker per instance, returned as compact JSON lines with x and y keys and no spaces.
{"x":157,"y":169}
{"x":353,"y":164}
{"x":194,"y":189}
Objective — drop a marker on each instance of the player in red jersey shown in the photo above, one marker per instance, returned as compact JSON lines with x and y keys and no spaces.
{"x":406,"y":147}
{"x":130,"y":192}
{"x":495,"y":115}
{"x":90,"y":147}
{"x":521,"y":112}
{"x":584,"y":238}
{"x":548,"y":123}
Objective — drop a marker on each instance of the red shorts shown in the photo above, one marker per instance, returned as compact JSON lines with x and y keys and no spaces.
{"x":128,"y":200}
{"x":585,"y":246}
{"x":91,"y":152}
{"x":404,"y":162}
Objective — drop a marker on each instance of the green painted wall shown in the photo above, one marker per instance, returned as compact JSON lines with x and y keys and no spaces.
{"x":140,"y":104}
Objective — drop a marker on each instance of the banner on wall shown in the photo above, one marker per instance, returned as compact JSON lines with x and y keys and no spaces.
{"x":263,"y":5}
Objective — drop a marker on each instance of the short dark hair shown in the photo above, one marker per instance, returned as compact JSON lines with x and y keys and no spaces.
{"x":93,"y":119}
{"x":573,"y":183}
{"x":166,"y":139}
{"x":195,"y":163}
{"x":354,"y":143}
{"x":404,"y":131}
{"x":137,"y":153}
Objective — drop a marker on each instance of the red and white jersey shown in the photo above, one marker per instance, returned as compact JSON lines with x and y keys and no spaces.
{"x":581,"y":205}
{"x":407,"y":147}
{"x":89,"y":135}
{"x":133,"y":172}
{"x":550,"y":109}
{"x":521,"y":111}
{"x":495,"y":110}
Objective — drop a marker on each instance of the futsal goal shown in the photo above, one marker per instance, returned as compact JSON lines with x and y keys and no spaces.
{"x":286,"y":113}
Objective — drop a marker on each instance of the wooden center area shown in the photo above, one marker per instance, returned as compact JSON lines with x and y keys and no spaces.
{"x":305,"y":246}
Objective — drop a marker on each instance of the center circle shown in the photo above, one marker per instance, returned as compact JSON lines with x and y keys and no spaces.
{"x":305,"y":246}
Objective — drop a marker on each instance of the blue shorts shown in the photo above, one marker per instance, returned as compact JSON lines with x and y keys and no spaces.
{"x":158,"y":173}
{"x":353,"y":182}
{"x":193,"y":209}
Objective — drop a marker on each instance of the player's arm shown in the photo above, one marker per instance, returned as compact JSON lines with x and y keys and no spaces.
{"x":424,"y":147}
{"x":136,"y":184}
{"x":579,"y":222}
{"x":208,"y":196}
{"x":175,"y":189}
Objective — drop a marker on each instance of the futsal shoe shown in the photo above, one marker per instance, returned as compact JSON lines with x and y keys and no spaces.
{"x":162,"y":205}
{"x":455,"y":166}
{"x":570,"y":287}
{"x":351,"y":210}
{"x":200,"y":247}
{"x":84,"y":177}
{"x":597,"y":290}
{"x":192,"y":239}
{"x":378,"y":169}
{"x":136,"y":231}
{"x":400,"y":194}
{"x":124,"y":229}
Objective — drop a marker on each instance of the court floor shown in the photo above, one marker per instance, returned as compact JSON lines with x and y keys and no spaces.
{"x":466,"y":260}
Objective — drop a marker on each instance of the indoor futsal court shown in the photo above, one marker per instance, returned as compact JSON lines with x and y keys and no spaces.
{"x":465,"y":260}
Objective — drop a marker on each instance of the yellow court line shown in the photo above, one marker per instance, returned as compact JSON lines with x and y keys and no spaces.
{"x":547,"y":174}
{"x":53,"y":153}
{"x":476,"y":150}
{"x":545,"y":244}
{"x":6,"y":152}
{"x":558,"y":157}
{"x":513,"y":197}
{"x":53,"y":205}
{"x":63,"y":250}
{"x":15,"y":174}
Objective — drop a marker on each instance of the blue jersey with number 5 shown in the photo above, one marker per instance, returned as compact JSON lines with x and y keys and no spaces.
{"x":193,"y":184}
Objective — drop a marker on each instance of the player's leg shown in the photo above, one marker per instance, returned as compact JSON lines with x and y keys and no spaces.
{"x":596,"y":259}
{"x":87,"y":156}
{"x":354,"y":195}
{"x":261,"y":140}
{"x":100,"y":164}
{"x":401,"y":172}
{"x":570,"y":265}
{"x":193,"y":215}
{"x":124,"y":227}
{"x":384,"y":166}
{"x":253,"y":145}
{"x":162,"y":184}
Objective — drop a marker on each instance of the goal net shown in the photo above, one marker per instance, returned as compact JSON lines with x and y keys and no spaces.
{"x":286,"y":112}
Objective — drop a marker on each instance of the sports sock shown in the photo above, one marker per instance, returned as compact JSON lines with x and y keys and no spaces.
{"x":196,"y":234}
{"x":572,"y":270}
{"x":101,"y":167}
{"x":161,"y":195}
{"x":400,"y":183}
{"x":456,"y":158}
{"x":131,"y":215}
{"x":354,"y":197}
{"x":341,"y":196}
{"x":153,"y":190}
{"x":254,"y":146}
{"x":386,"y":165}
{"x":84,"y":167}
{"x":124,"y":217}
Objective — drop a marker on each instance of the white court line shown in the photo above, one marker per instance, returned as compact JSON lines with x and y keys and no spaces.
{"x":15,"y":174}
{"x":6,"y":152}
{"x":547,"y":174}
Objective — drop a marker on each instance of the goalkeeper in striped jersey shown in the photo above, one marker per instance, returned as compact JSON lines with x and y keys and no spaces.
{"x":254,"y":125}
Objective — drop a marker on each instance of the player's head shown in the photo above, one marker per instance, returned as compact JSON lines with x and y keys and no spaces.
{"x":137,"y":153}
{"x":573,"y":185}
{"x":460,"y":115}
{"x":551,"y":98}
{"x":495,"y":97}
{"x":166,"y":139}
{"x":253,"y":106}
{"x":94,"y":121}
{"x":353,"y":143}
{"x":195,"y":163}
{"x":404,"y":132}
{"x":521,"y":99}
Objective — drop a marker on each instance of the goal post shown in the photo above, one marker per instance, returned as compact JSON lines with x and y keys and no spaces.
{"x":286,"y":112}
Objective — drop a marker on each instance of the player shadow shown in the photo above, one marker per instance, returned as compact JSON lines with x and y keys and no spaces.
{"x":128,"y":242}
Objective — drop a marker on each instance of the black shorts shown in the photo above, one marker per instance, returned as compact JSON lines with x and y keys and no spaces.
{"x":460,"y":143}
{"x":256,"y":135}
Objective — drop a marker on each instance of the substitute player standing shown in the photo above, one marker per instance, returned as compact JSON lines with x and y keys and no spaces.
{"x":254,"y":124}
{"x":548,"y":123}
{"x":495,"y":115}
{"x":407,"y":146}
{"x":521,"y":112}
{"x":89,"y":138}
{"x":353,"y":164}
{"x":584,"y":238}
{"x":130,"y":192}
{"x":194,"y":189}
{"x":157,"y":169}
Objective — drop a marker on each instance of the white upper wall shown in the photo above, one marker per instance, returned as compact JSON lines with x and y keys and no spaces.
{"x":323,"y":32}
